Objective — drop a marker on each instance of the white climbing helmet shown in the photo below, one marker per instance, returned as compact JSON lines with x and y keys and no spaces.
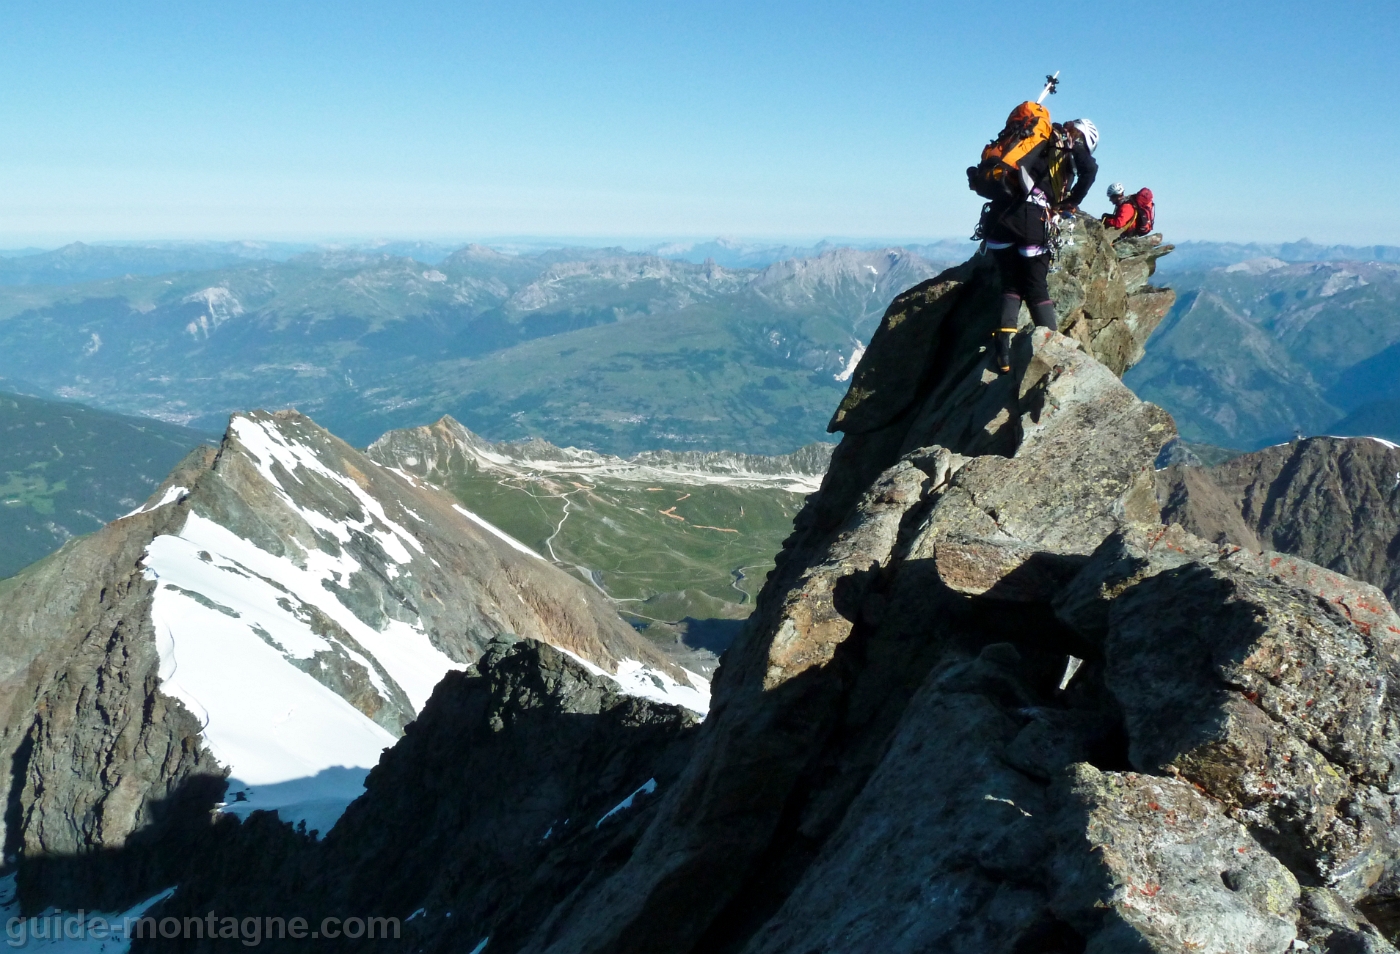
{"x":1089,"y":131}
{"x":1116,"y":191}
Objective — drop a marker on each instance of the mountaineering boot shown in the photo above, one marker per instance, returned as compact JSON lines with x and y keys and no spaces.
{"x":1010,"y":310}
{"x":1043,"y":314}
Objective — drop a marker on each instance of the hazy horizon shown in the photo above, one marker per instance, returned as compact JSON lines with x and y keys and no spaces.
{"x":630,"y":243}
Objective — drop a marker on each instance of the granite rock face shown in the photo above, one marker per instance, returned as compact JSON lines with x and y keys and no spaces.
{"x":977,"y":709}
{"x":1102,"y":298}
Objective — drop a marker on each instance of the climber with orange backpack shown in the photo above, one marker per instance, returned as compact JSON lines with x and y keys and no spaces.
{"x":1135,"y":214}
{"x":1032,"y":170}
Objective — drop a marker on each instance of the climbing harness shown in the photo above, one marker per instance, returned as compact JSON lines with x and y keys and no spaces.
{"x":1056,"y":240}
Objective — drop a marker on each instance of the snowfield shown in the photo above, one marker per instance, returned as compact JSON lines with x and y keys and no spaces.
{"x":260,"y":648}
{"x":230,"y":630}
{"x":496,"y":531}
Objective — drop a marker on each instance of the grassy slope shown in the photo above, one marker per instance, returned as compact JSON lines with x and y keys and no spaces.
{"x":66,"y":469}
{"x":664,"y":552}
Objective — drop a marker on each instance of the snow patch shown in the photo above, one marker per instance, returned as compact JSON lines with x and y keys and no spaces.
{"x":267,"y":444}
{"x":171,"y":495}
{"x":318,"y":800}
{"x":497,"y":531}
{"x":850,"y":369}
{"x":1340,"y":281}
{"x":637,"y":679}
{"x":233,"y":627}
{"x":648,"y":787}
{"x":433,"y":275}
{"x":1257,"y":266}
{"x":1379,"y":440}
{"x":219,"y":305}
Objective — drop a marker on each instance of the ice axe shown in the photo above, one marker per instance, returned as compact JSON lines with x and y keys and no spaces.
{"x":1052,"y":84}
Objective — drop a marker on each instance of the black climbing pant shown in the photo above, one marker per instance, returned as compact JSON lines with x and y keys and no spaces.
{"x":1022,"y":277}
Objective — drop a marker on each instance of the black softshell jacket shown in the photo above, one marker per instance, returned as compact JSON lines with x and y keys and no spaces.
{"x":1026,"y":223}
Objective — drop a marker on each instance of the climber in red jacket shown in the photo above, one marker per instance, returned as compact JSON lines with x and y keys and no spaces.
{"x":1133,"y":214}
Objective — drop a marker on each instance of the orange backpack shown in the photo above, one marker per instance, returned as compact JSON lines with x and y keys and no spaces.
{"x":996,"y":176}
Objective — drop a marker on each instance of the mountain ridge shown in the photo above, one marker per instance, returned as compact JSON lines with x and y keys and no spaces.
{"x":270,"y":620}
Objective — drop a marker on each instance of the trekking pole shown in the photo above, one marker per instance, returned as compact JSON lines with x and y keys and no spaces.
{"x":1052,"y":84}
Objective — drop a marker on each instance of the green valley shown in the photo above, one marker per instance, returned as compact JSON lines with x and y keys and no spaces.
{"x":670,"y":539}
{"x":66,"y":470}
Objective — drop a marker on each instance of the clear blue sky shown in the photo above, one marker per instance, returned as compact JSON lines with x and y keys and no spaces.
{"x":1250,"y":120}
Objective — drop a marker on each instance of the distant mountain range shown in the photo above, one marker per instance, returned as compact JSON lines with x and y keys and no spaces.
{"x":1195,"y":256}
{"x":718,"y":345}
{"x":80,"y":262}
{"x":737,"y":254}
{"x":1259,"y":351}
{"x":596,"y":348}
{"x":84,"y":262}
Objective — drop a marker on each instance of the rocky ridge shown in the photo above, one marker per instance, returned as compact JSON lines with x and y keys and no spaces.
{"x":976,"y":539}
{"x":987,"y":703}
{"x":276,"y":614}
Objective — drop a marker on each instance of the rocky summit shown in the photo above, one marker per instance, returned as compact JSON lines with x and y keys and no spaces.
{"x":988,"y":702}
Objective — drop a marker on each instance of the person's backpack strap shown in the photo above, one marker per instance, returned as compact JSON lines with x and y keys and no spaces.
{"x":1062,"y":166}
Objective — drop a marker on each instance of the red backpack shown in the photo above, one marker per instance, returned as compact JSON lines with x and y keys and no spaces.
{"x":1146,"y":211}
